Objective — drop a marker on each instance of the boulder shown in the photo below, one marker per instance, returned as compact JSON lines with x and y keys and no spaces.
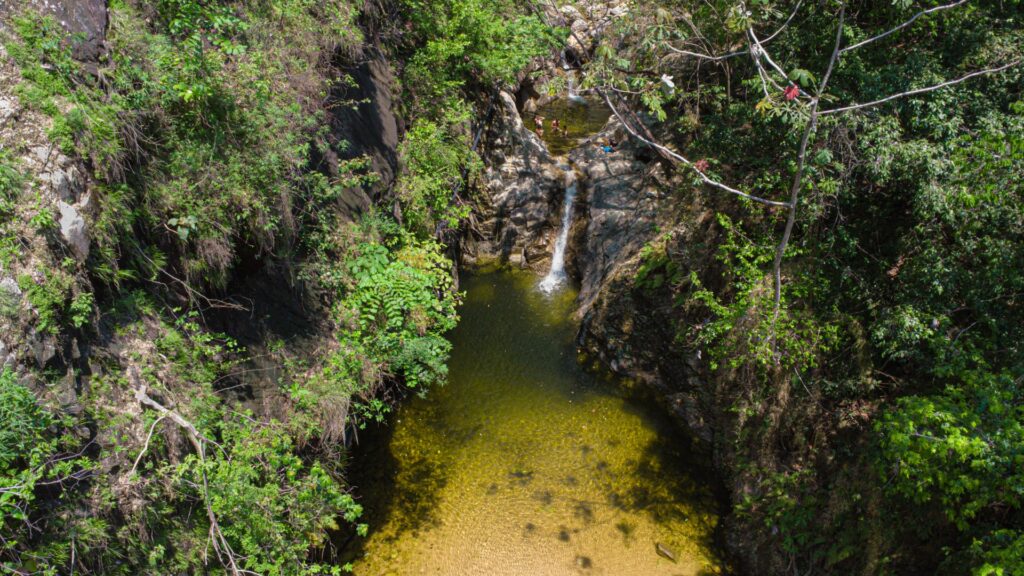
{"x":43,"y":347}
{"x":9,"y":287}
{"x":8,"y":108}
{"x":10,"y":298}
{"x":85,"y":20}
{"x":74,"y":230}
{"x":65,"y":183}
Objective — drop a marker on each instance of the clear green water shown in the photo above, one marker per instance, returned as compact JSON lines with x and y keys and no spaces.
{"x":579,"y":119}
{"x":526,"y":465}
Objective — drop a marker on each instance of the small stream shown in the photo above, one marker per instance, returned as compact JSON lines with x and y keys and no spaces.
{"x":527,"y":465}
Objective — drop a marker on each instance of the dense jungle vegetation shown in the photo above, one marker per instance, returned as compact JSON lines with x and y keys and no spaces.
{"x":857,"y":295}
{"x":201,"y":128}
{"x":891,"y":135}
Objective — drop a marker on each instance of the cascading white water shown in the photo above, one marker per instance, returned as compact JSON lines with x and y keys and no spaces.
{"x":573,"y":96}
{"x":556,"y":275}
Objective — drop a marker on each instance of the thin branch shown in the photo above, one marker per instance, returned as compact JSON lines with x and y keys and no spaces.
{"x":145,"y":446}
{"x":221,"y":545}
{"x":903,"y":25}
{"x":922,"y":90}
{"x":759,"y":50}
{"x":786,"y":23}
{"x":794,"y":197}
{"x":679,"y":158}
{"x":705,"y":56}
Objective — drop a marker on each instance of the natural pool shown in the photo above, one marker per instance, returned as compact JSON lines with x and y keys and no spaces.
{"x":580,"y":119}
{"x":526,"y":465}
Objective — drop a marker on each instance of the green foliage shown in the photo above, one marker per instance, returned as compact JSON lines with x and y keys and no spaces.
{"x":22,"y":422}
{"x":1001,"y":553}
{"x":657,"y":267}
{"x":201,"y":126}
{"x":961,"y":447}
{"x":789,"y":507}
{"x":402,"y":305}
{"x":11,"y":183}
{"x":900,"y":286}
{"x":485,"y":42}
{"x":273,"y":507}
{"x":392,"y":317}
{"x":52,"y":300}
{"x":193,"y":26}
{"x":744,"y":330}
{"x":199,"y":129}
{"x":31,"y":454}
{"x":437,"y":161}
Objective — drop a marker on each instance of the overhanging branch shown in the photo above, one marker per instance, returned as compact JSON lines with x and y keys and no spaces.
{"x":921,"y":90}
{"x":665,"y":151}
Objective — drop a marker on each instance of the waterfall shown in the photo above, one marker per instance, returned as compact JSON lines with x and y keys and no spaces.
{"x":573,"y":96}
{"x":556,"y":275}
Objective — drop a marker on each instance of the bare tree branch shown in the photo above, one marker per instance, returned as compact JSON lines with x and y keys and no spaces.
{"x":221,"y":545}
{"x":786,"y":23}
{"x":794,"y":193}
{"x":903,"y":25}
{"x":706,"y":56}
{"x":145,"y":446}
{"x":757,"y":51}
{"x":679,"y":158}
{"x":713,"y":58}
{"x":922,"y":90}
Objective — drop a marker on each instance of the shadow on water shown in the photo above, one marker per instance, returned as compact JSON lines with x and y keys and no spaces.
{"x":548,"y":468}
{"x":400,"y":492}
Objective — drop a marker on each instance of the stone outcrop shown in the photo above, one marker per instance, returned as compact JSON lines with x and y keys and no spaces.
{"x":525,"y":187}
{"x":85,"y":20}
{"x":622,"y":191}
{"x":73,"y":229}
{"x":371,"y":127}
{"x":53,"y":183}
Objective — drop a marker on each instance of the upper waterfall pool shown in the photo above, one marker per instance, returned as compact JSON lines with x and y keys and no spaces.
{"x":525,"y":464}
{"x":578,"y":119}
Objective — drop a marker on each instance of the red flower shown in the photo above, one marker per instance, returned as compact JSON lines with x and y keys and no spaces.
{"x":791,"y":92}
{"x":701,"y":165}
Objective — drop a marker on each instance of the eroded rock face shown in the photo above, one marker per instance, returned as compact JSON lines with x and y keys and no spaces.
{"x":371,"y":128}
{"x":525,"y":187}
{"x":620,"y":211}
{"x":85,"y":20}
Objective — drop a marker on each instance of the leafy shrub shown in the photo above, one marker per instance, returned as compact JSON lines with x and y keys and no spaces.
{"x":437,"y":161}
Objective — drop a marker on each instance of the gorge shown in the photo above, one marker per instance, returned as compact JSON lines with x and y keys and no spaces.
{"x":478,"y":287}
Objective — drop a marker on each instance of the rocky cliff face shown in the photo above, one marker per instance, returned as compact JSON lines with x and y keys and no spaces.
{"x":626,"y":200}
{"x":45,"y":248}
{"x":621,"y":203}
{"x":371,"y":126}
{"x":85,"y":19}
{"x":53,"y":190}
{"x":524,"y":187}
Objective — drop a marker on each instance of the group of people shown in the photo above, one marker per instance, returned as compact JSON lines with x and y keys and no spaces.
{"x":556,"y":126}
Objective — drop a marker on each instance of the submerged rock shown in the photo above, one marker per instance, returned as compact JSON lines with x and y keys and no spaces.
{"x":665,"y":551}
